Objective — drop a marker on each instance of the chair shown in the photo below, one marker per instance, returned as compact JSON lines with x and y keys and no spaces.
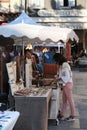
{"x":49,"y":70}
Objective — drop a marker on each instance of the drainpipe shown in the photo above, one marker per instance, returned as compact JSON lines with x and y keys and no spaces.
{"x":25,"y":6}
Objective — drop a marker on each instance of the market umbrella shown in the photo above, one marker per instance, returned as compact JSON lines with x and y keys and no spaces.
{"x":35,"y":32}
{"x":42,"y":33}
{"x":23,"y":17}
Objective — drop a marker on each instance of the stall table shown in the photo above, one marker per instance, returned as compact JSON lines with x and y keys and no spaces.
{"x":33,"y":111}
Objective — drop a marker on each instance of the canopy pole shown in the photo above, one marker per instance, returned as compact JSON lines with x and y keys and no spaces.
{"x":22,"y":47}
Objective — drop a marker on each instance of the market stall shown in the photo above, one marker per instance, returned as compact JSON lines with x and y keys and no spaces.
{"x":35,"y":97}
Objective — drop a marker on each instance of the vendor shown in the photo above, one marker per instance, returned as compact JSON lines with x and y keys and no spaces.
{"x":30,"y":55}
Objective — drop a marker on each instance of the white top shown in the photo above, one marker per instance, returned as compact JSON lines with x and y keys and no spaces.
{"x":65,"y":73}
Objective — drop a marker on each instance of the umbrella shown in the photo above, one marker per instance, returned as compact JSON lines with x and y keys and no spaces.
{"x":23,"y":17}
{"x":35,"y":32}
{"x":43,"y":33}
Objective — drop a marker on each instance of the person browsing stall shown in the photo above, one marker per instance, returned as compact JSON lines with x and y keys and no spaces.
{"x":64,"y":79}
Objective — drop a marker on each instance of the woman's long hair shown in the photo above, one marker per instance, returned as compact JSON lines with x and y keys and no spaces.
{"x":59,"y":58}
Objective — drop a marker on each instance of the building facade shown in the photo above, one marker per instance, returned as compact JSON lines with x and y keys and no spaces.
{"x":61,"y":13}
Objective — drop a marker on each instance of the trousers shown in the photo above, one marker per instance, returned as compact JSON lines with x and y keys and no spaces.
{"x":67,"y":97}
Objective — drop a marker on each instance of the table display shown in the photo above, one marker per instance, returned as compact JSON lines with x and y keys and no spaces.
{"x":36,"y":103}
{"x":8,"y":119}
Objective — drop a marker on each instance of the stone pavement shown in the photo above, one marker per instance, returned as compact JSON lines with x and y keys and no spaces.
{"x":80,"y":97}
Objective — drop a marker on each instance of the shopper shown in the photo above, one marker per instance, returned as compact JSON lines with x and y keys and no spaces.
{"x":64,"y":79}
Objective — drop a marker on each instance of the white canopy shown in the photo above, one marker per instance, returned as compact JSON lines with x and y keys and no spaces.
{"x":35,"y":31}
{"x":50,"y":44}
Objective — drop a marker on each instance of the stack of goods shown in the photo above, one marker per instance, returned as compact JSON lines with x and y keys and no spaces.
{"x":32,"y":91}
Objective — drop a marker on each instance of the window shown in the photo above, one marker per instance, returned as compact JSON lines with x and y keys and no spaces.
{"x":71,"y":3}
{"x":65,"y":3}
{"x":36,"y":3}
{"x":59,"y":3}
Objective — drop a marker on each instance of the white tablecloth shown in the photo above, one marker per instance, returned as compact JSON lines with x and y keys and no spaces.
{"x":8,"y":119}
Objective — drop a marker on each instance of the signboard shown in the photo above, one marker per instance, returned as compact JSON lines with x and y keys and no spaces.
{"x":77,"y":26}
{"x":69,"y":12}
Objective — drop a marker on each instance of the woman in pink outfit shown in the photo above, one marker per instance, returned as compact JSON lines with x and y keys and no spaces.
{"x":64,"y":79}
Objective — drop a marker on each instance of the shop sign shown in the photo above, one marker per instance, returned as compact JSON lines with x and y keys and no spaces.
{"x":72,"y":26}
{"x":63,"y":12}
{"x":68,"y":25}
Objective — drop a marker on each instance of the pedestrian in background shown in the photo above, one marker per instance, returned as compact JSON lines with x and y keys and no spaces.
{"x":64,"y":79}
{"x":48,"y":56}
